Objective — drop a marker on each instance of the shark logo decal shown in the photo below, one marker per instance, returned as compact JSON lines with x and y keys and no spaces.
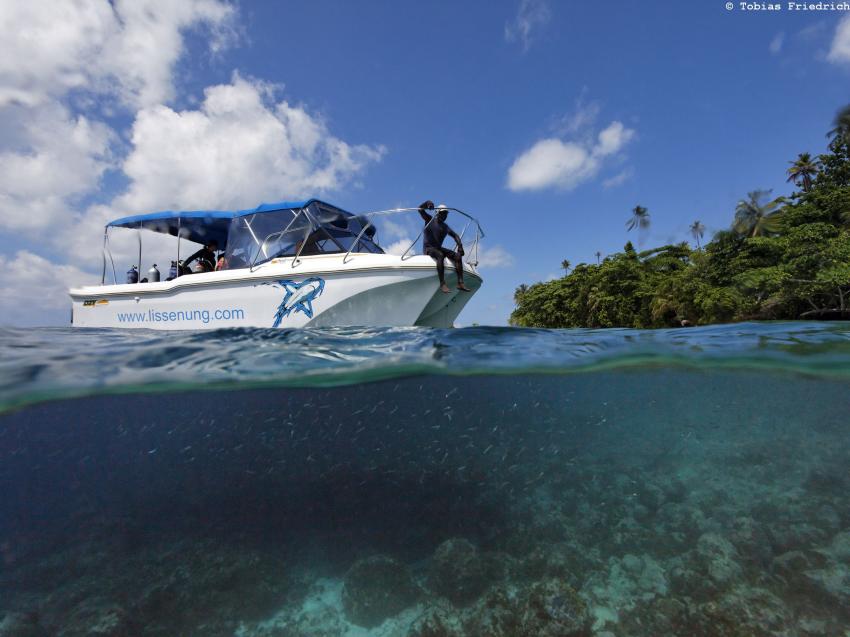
{"x":299,"y":297}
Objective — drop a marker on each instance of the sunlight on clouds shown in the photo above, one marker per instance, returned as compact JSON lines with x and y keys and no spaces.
{"x":553,"y":163}
{"x":550,"y":162}
{"x":63,"y":158}
{"x":34,"y":282}
{"x":839,"y":52}
{"x":126,"y":48}
{"x":112,"y":59}
{"x":399,"y":247}
{"x":236,"y":150}
{"x":89,"y":53}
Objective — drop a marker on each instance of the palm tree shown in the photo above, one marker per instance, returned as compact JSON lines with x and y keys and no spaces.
{"x":566,"y":265}
{"x":639,"y":220}
{"x":803,"y":169}
{"x":753,"y":218}
{"x":697,"y":231}
{"x":842,"y":125}
{"x":598,"y":255}
{"x":519,"y":293}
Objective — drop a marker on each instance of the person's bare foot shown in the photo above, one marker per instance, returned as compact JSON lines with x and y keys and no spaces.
{"x":444,"y":289}
{"x":461,"y":286}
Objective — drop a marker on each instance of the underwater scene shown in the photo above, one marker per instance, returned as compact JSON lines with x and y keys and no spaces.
{"x":426,"y":483}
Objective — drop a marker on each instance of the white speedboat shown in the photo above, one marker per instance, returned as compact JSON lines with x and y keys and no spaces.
{"x":289,"y":264}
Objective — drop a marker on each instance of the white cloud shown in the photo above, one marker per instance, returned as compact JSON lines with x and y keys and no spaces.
{"x":612,"y":139}
{"x":86,"y":53}
{"x":75,"y":62}
{"x":389,"y":229}
{"x":125,"y":48}
{"x":31,"y":282}
{"x":60,"y":158}
{"x":775,"y":46}
{"x":555,"y":163}
{"x":398,"y":247}
{"x":619,"y":179}
{"x":237,"y":149}
{"x":531,"y":15}
{"x":839,"y":52}
{"x":495,"y":257}
{"x":550,"y":162}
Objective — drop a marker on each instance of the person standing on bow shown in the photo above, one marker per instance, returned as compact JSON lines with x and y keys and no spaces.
{"x":433,"y":235}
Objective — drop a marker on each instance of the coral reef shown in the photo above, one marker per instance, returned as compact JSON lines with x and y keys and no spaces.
{"x":553,"y":609}
{"x":458,"y":572}
{"x":376,"y":588}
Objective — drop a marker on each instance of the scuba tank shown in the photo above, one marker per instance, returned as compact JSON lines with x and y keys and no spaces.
{"x":153,"y":274}
{"x":132,"y":275}
{"x":173,"y":273}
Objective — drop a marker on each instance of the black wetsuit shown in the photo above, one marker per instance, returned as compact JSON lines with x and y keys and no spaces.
{"x":432,"y":244}
{"x":204,"y":256}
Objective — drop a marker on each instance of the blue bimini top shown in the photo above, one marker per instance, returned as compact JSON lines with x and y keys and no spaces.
{"x":269,"y":230}
{"x":201,"y":226}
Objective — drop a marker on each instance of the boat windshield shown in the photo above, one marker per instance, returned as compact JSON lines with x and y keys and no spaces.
{"x":315,"y":229}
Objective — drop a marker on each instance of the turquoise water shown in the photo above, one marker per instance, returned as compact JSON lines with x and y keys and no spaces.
{"x":416,"y":482}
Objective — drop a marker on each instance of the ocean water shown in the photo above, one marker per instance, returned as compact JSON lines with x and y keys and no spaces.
{"x":426,"y":483}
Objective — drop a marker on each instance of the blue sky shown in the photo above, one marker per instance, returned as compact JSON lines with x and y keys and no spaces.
{"x":548,"y":120}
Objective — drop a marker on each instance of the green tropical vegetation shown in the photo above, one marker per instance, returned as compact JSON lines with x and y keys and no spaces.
{"x":781,"y":258}
{"x":756,"y":219}
{"x":802,"y":170}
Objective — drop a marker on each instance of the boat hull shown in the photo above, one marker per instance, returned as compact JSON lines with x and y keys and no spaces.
{"x":368,"y":290}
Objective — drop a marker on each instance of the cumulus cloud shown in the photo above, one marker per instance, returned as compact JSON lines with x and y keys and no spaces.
{"x":390,"y":229}
{"x":395,"y":234}
{"x":612,"y":139}
{"x":77,"y":62}
{"x":531,"y":16}
{"x":398,"y":247}
{"x":238,"y":148}
{"x":839,"y":51}
{"x":31,"y":282}
{"x":550,"y":162}
{"x":126,"y":48}
{"x":553,"y":163}
{"x":82,"y":53}
{"x":60,"y":159}
{"x":495,"y":257}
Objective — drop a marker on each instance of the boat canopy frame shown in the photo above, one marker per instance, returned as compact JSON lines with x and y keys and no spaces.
{"x":312,"y":219}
